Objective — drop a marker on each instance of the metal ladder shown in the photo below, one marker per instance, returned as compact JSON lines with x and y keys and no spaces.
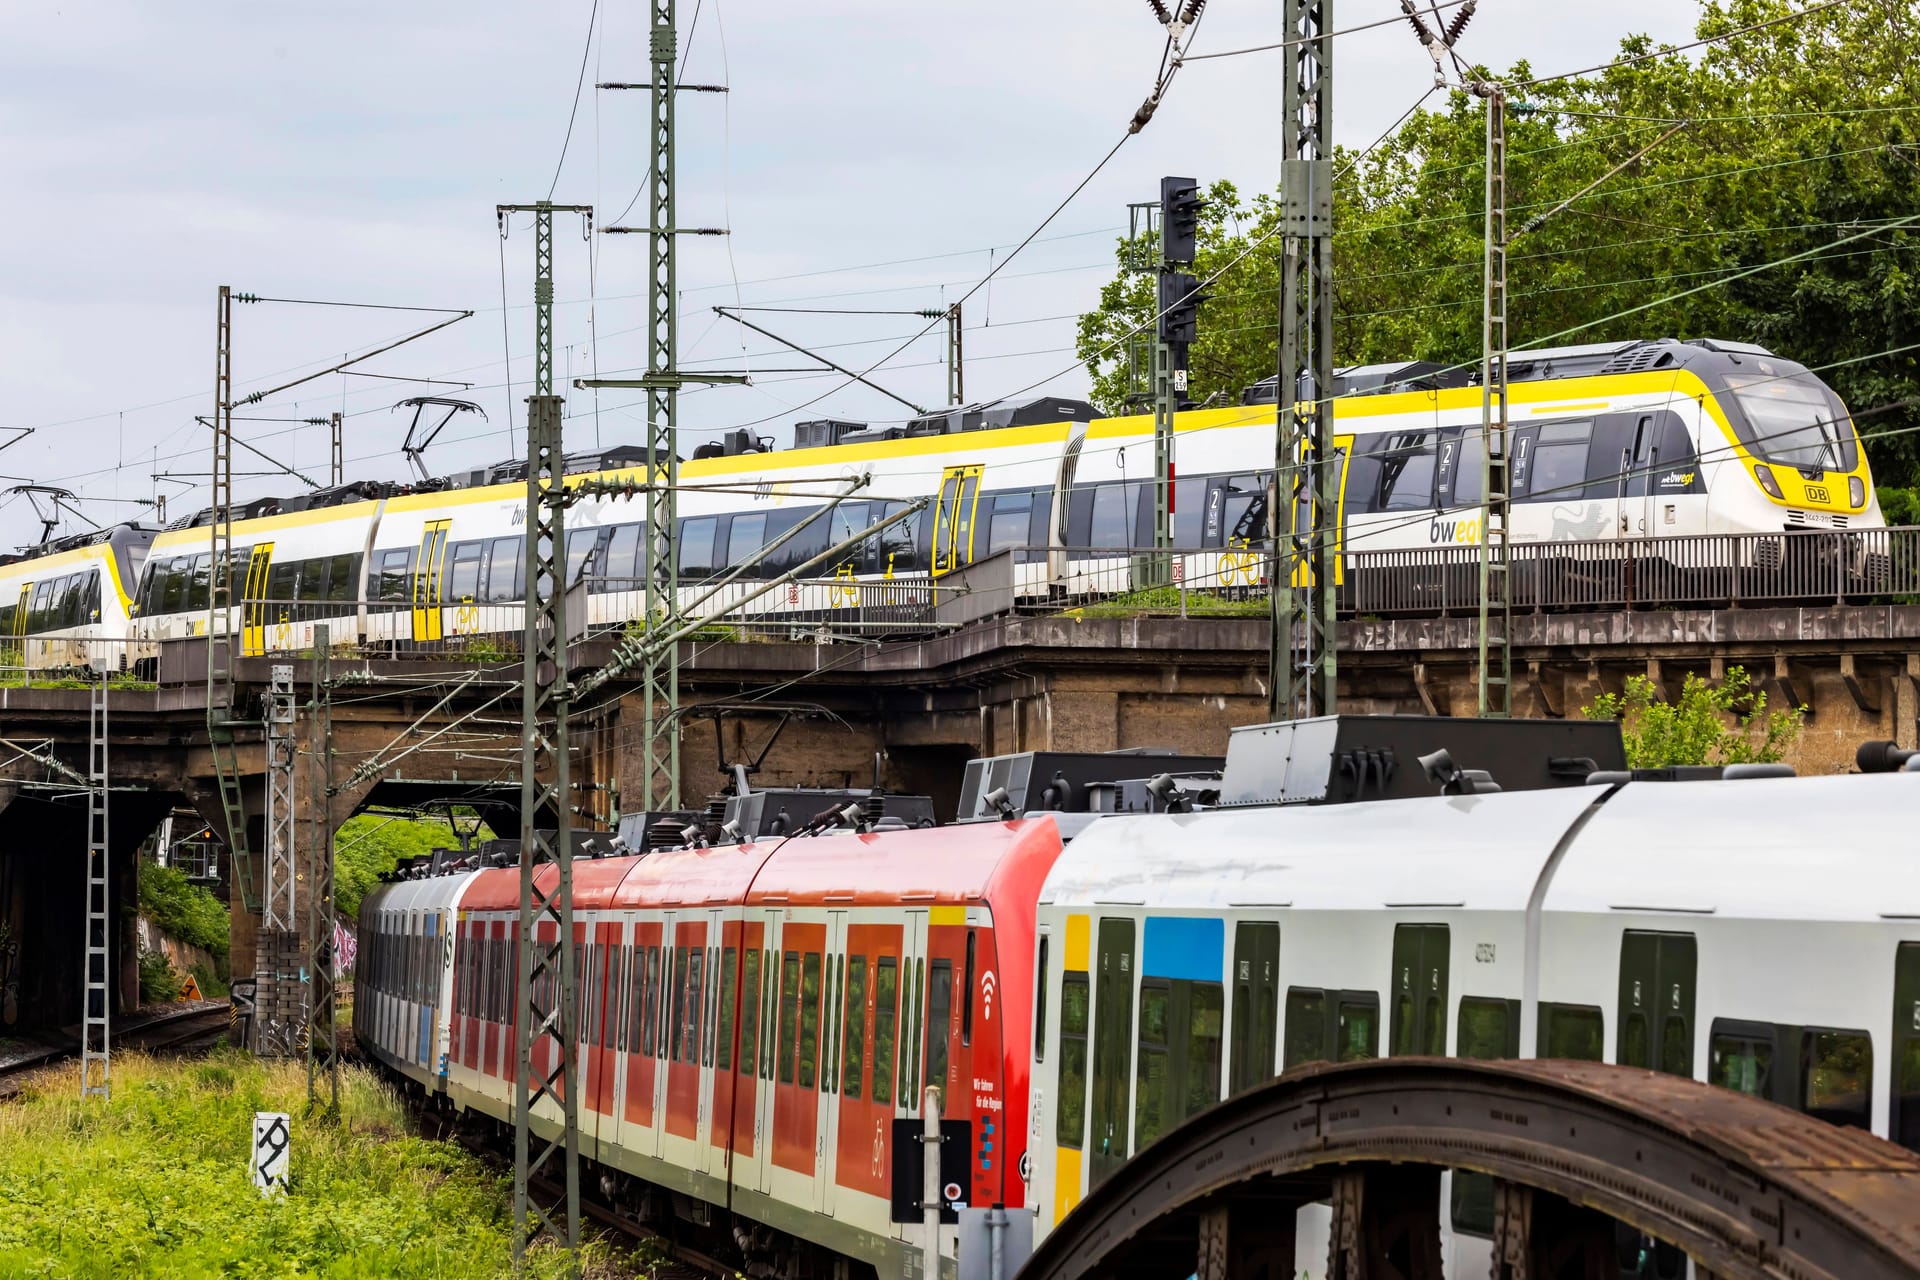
{"x":95,"y":1033}
{"x":1496,"y":597}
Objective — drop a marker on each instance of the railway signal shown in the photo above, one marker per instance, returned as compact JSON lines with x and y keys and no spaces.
{"x":1180,"y":206}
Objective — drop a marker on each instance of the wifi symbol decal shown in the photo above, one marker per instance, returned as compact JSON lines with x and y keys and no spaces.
{"x":987,"y":984}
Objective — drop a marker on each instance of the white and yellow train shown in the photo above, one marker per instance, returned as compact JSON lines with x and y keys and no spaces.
{"x":1617,"y":441}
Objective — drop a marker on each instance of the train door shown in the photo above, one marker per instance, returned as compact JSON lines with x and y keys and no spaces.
{"x":870,"y":1010}
{"x":1256,"y":1002}
{"x":1301,"y":511}
{"x":660,"y":1020}
{"x":254,"y":605}
{"x":953,"y":515}
{"x":1112,"y":1048}
{"x":831,"y":1061}
{"x":427,"y":569}
{"x":909,"y":1090}
{"x":1903,"y":1116}
{"x":755,"y":1128}
{"x":723,"y":975}
{"x":607,"y":979}
{"x":1419,"y":990}
{"x":737,"y":1051}
{"x":796,"y":1077}
{"x":1658,"y":974}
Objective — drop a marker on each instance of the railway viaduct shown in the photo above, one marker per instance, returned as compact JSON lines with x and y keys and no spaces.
{"x":412,"y":730}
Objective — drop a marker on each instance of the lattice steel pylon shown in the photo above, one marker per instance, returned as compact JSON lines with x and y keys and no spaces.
{"x":1494,"y":679}
{"x":221,"y":618}
{"x":96,"y":1033}
{"x":1302,"y":671}
{"x":660,"y":674}
{"x":277,"y":896}
{"x":323,"y":1042}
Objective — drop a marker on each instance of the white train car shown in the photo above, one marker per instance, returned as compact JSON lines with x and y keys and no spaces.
{"x":403,"y":989}
{"x":66,"y":606}
{"x":1699,"y":928}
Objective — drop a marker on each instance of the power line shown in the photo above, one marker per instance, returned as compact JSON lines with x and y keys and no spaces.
{"x":579,"y":82}
{"x":1288,"y":44}
{"x":1680,"y":48}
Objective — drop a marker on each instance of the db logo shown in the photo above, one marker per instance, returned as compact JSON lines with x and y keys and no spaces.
{"x":1818,"y":493}
{"x":793,"y":593}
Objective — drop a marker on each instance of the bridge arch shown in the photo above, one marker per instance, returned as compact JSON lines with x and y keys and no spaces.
{"x":1744,"y":1187}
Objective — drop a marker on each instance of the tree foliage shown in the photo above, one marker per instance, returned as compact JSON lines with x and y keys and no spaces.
{"x":1726,"y":725}
{"x":372,"y":845}
{"x":1795,"y":136}
{"x":183,"y":910}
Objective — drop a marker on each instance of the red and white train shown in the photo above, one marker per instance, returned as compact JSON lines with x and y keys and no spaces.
{"x":753,"y":1019}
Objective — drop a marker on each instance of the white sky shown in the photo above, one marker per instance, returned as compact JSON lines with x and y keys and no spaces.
{"x":355,"y":151}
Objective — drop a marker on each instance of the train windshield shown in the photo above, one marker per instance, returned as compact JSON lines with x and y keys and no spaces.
{"x":1796,"y":422}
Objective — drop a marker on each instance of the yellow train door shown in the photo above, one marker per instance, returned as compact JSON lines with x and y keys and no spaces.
{"x":1342,"y":450}
{"x":953,"y":518}
{"x":427,"y":568}
{"x":254,"y":605}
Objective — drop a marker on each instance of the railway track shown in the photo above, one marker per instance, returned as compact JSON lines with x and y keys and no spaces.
{"x":189,"y":1030}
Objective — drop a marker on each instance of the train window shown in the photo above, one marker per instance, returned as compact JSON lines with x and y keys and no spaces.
{"x":966,"y":990}
{"x":696,"y":547}
{"x":1419,"y":990}
{"x":652,"y":1042}
{"x":1011,"y":522}
{"x":789,"y":1013}
{"x":622,"y":563}
{"x":712,"y":1005}
{"x":750,"y":1012}
{"x":1903,"y":1123}
{"x":1657,"y":973}
{"x":1358,"y":1026}
{"x":1306,"y":1027}
{"x":939,"y":1024}
{"x":1152,"y":1070}
{"x":1206,"y":1010}
{"x":506,"y":569}
{"x":723,"y":1041}
{"x":173,"y":591}
{"x":580,"y":545}
{"x":1574,"y":1031}
{"x":1836,"y":1076}
{"x":886,"y":1000}
{"x":1070,"y":1120}
{"x":197,"y":581}
{"x":746,"y":537}
{"x":633,"y":1035}
{"x":1740,"y":1056}
{"x":1488,"y":1028}
{"x":894,"y":548}
{"x":1466,"y":474}
{"x":696,"y":1002}
{"x":676,"y":1041}
{"x":1112,"y":1047}
{"x":463,"y":577}
{"x":1256,"y":1001}
{"x":1189,"y":508}
{"x":853,"y":1057}
{"x":770,"y":1017}
{"x":283,"y":581}
{"x":343,"y":580}
{"x":916,"y":1022}
{"x":830,"y":1054}
{"x":1407,"y":462}
{"x":1040,"y":1004}
{"x":846,"y":520}
{"x":390,"y":576}
{"x":1109,"y":526}
{"x":1556,"y":468}
{"x":808,"y":997}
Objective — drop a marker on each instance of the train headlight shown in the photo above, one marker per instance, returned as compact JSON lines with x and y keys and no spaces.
{"x":1764,"y":474}
{"x":1856,"y":491}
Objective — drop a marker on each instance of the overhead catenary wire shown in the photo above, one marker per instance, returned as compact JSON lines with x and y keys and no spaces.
{"x":593,"y":18}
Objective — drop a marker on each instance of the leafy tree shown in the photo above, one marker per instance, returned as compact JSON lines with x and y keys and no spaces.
{"x":372,"y":845}
{"x":1791,"y":137}
{"x":1725,"y":725}
{"x":183,"y":910}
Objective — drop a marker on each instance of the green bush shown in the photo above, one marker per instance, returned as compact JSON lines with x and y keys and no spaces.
{"x":159,"y":980}
{"x":1898,"y":506}
{"x":372,"y":845}
{"x":1727,"y":725}
{"x":184,"y":911}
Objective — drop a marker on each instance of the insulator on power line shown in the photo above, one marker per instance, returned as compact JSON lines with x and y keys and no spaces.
{"x":1192,"y":12}
{"x":1413,"y":20}
{"x":1461,"y":18}
{"x":1160,"y":11}
{"x":1145,"y":113}
{"x":246,"y":297}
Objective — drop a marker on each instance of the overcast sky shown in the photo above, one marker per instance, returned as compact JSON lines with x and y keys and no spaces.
{"x":869,"y":155}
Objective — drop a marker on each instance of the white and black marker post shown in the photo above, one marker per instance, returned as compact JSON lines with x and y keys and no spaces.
{"x":272,"y":1140}
{"x":930,"y":1191}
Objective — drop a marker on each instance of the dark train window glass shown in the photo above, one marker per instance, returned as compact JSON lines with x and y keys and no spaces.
{"x":1740,"y":1057}
{"x":966,"y":990}
{"x":676,"y":1041}
{"x":634,"y":1035}
{"x":1656,"y":1000}
{"x":712,"y":1006}
{"x":1420,"y":954}
{"x":886,"y":1000}
{"x":1488,"y":1028}
{"x":283,"y":581}
{"x":1556,"y":465}
{"x":1109,"y":529}
{"x":810,"y":541}
{"x":696,"y":547}
{"x":918,"y":1020}
{"x":1903,"y":1123}
{"x":939,"y":1024}
{"x":746,"y":537}
{"x":506,"y":569}
{"x":830,"y":1053}
{"x":1040,"y":1004}
{"x":1151,"y":1068}
{"x":621,"y":564}
{"x":895,"y":549}
{"x":853,"y":1054}
{"x":580,"y":545}
{"x":395,"y":573}
{"x":198,"y":581}
{"x":808,"y":997}
{"x":1306,"y":1027}
{"x":1206,"y":1016}
{"x":343,"y":582}
{"x":173,"y":594}
{"x":463,"y":576}
{"x":1189,"y":510}
{"x":651,"y":1047}
{"x":1836,"y":1076}
{"x":749,"y":1012}
{"x":696,"y":1002}
{"x":1357,"y":1027}
{"x":771,"y":1017}
{"x":1466,"y":473}
{"x":1070,"y":1121}
{"x":1407,"y":466}
{"x":723,"y":1023}
{"x":1572,"y":1031}
{"x":1011,"y":521}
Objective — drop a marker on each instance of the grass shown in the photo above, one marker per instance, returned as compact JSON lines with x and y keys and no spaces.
{"x":1166,"y":600}
{"x":154,"y":1183}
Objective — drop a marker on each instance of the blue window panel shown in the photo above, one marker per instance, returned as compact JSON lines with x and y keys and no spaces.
{"x":1180,"y":947}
